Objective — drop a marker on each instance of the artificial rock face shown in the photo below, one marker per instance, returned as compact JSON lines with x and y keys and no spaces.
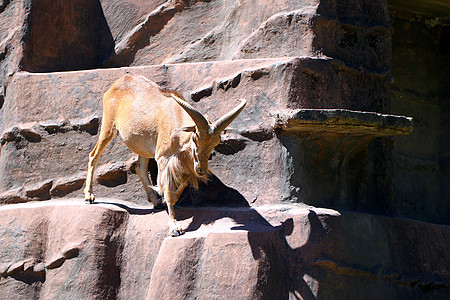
{"x":262,"y":164}
{"x":315,"y":131}
{"x":278,"y":55}
{"x":117,"y":250}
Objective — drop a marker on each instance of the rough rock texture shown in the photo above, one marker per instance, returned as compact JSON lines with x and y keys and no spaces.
{"x":12,"y":19}
{"x":321,"y":78}
{"x":244,"y":160}
{"x":116,"y":250}
{"x":420,"y":89}
{"x":278,"y":55}
{"x":354,"y":32}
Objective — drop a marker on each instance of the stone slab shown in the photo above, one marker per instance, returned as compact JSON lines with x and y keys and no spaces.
{"x":342,"y":121}
{"x":115,"y":249}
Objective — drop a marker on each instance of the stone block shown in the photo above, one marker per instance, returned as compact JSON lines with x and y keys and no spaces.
{"x":113,"y":249}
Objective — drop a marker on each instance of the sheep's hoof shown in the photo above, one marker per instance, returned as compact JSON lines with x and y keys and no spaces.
{"x":160,"y":205}
{"x":176,"y":232}
{"x":89,"y":199}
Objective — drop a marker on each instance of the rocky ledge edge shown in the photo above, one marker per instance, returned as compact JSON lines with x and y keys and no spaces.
{"x":60,"y":248}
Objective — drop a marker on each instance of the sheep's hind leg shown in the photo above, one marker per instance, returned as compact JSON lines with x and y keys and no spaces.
{"x":106,"y":135}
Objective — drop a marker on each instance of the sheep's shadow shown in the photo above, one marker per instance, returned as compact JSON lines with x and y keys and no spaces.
{"x":132,"y":210}
{"x":284,"y":270}
{"x":213,"y":193}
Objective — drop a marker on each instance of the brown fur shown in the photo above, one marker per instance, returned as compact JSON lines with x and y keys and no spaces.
{"x":154,"y":124}
{"x":178,"y":169}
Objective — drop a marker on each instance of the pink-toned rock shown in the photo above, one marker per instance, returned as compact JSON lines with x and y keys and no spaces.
{"x":117,"y":250}
{"x":64,"y":186}
{"x":277,"y":54}
{"x":280,"y":55}
{"x":112,"y":174}
{"x":250,"y":159}
{"x":39,"y":191}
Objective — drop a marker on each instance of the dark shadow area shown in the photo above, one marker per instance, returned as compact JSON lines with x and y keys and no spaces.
{"x":29,"y":276}
{"x":131,"y":210}
{"x":2,"y":95}
{"x":212,"y":193}
{"x":421,"y":70}
{"x":355,"y":33}
{"x":340,"y":171}
{"x":66,"y":36}
{"x":281,"y":268}
{"x":3,"y":5}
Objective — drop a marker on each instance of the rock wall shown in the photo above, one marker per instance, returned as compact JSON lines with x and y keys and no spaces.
{"x":117,"y":250}
{"x":282,"y":56}
{"x":244,"y":160}
{"x":420,"y":89}
{"x":315,"y":133}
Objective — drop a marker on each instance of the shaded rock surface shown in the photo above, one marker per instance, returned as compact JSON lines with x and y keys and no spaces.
{"x":421,"y":90}
{"x":117,"y":250}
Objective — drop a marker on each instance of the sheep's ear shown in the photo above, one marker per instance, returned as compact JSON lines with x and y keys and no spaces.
{"x":187,"y":128}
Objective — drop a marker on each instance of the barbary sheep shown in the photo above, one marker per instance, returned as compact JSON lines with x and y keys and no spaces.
{"x":158,"y":123}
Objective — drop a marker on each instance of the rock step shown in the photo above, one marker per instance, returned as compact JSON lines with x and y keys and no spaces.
{"x":59,"y":114}
{"x":114,"y":249}
{"x":77,"y":94}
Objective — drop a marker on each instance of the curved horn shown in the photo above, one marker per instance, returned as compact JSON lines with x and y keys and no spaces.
{"x":226,"y":119}
{"x":199,"y":119}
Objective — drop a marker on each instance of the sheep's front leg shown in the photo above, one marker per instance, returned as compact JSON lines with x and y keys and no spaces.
{"x":171,"y":199}
{"x":142,"y":172}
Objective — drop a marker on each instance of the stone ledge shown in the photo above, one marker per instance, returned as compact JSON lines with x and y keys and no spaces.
{"x":268,"y":252}
{"x":342,"y":121}
{"x":77,"y":94}
{"x":58,"y":114}
{"x":437,"y":9}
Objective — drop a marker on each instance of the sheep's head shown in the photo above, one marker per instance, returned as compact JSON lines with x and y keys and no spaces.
{"x":206,"y":135}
